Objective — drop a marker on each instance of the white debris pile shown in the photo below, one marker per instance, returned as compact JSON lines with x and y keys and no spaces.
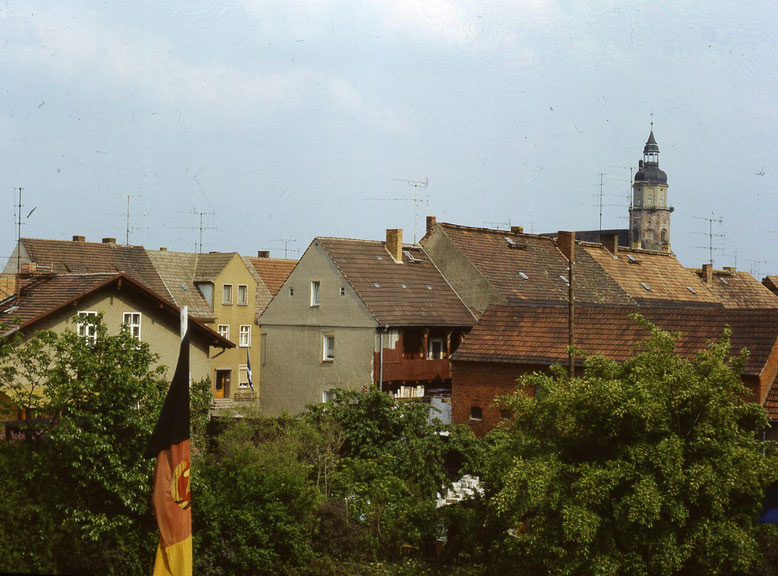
{"x":465,"y":488}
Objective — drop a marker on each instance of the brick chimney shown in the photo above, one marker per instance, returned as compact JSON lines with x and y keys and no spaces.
{"x":565,"y":241}
{"x":707,"y":273}
{"x":394,"y":243}
{"x":79,"y":238}
{"x":611,"y":242}
{"x":109,"y":240}
{"x":263,"y":253}
{"x":430,"y":223}
{"x":517,"y":229}
{"x":163,"y":248}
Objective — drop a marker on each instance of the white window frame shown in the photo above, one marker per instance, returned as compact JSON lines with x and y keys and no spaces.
{"x":244,"y":337}
{"x":327,"y":351}
{"x":227,"y":301}
{"x":88,"y":332}
{"x":243,"y":376}
{"x":244,"y":301}
{"x":134,"y":328}
{"x":315,"y":293}
{"x":224,"y":330}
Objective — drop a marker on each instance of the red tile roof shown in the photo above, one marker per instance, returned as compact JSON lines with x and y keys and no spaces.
{"x":771,"y":283}
{"x":738,"y":289}
{"x":64,"y":256}
{"x":273,"y":271}
{"x":771,"y":403}
{"x":45,"y":294}
{"x":538,"y":335}
{"x":411,"y":293}
{"x":505,"y":258}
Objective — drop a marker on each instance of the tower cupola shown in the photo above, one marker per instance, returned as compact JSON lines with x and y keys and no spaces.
{"x":650,"y":211}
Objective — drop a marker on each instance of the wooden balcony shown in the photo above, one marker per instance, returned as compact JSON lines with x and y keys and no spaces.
{"x":405,"y":370}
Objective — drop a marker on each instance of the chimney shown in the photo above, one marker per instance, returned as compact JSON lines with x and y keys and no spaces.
{"x":163,"y":248}
{"x":707,"y":273}
{"x":394,"y":243}
{"x":730,"y":269}
{"x":79,"y":239}
{"x":263,"y":253}
{"x":430,"y":223}
{"x":565,"y":241}
{"x":109,"y":240}
{"x":517,"y":229}
{"x":611,"y":242}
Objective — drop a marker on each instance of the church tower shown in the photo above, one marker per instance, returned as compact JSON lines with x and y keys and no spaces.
{"x":649,"y":214}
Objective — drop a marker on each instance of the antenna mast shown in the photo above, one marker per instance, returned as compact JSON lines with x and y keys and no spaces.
{"x":710,"y":235}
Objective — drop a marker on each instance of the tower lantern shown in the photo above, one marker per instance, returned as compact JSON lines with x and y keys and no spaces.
{"x":650,"y":213}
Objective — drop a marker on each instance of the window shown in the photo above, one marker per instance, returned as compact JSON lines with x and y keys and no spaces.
{"x":243,"y":295}
{"x":327,"y":395}
{"x":315,"y":287}
{"x":435,"y":349}
{"x":342,"y":291}
{"x":131,"y":321}
{"x":227,"y":294}
{"x":224,"y":331}
{"x":328,"y":344}
{"x":86,"y":330}
{"x":291,"y":291}
{"x":243,"y":376}
{"x":476,"y":413}
{"x":245,"y":336}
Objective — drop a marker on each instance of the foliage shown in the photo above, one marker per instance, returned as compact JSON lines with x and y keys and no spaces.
{"x":652,"y":466}
{"x":82,"y":475}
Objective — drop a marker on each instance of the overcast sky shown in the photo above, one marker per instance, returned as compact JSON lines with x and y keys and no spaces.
{"x":281,"y":120}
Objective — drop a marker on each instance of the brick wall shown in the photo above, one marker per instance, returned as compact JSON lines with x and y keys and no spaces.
{"x":477,"y":384}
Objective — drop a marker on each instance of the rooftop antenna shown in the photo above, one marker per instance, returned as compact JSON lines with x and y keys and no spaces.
{"x":498,"y":225}
{"x":418,"y":186}
{"x":129,"y":228}
{"x":754,"y":270}
{"x":18,"y":243}
{"x":286,"y":242}
{"x":710,"y":235}
{"x":201,"y":227}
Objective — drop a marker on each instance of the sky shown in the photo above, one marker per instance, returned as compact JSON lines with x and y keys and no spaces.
{"x":275,"y":122}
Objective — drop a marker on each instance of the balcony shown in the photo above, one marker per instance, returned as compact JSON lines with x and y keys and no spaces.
{"x":412,"y":369}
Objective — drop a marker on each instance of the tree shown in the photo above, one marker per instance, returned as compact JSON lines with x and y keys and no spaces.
{"x":652,"y":466}
{"x":85,"y":474}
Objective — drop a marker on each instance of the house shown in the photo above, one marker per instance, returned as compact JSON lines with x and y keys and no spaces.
{"x":736,"y":288}
{"x":510,"y":341}
{"x":222,"y":290}
{"x":355,"y":313}
{"x":49,"y":302}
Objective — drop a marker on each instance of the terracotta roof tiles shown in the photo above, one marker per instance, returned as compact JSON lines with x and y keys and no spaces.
{"x":273,"y":271}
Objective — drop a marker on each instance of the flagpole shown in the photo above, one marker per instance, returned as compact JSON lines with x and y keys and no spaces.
{"x":184,"y":321}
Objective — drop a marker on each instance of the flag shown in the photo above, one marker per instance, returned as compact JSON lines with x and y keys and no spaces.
{"x":770,"y":509}
{"x":169,"y":443}
{"x":248,"y":370}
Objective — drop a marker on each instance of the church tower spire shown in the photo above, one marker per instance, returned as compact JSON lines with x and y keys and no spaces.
{"x":649,"y":215}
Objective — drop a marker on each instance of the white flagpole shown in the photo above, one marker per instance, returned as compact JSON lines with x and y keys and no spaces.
{"x":184,"y":320}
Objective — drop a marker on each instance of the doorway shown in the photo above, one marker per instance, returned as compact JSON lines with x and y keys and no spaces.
{"x":222,"y":384}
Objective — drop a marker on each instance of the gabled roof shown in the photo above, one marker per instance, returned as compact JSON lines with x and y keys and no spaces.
{"x":410,"y":293}
{"x":738,"y":289}
{"x":64,"y":256}
{"x":43,"y":295}
{"x":273,"y":271}
{"x":771,"y":402}
{"x":177,"y":270}
{"x":209,"y":266}
{"x":505,"y":258}
{"x":539,"y":335}
{"x":636,"y":271}
{"x":771,"y":283}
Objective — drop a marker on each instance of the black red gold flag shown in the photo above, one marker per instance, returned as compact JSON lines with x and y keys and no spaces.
{"x":171,"y":500}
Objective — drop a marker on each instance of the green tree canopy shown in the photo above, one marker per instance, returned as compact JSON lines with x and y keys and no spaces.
{"x":651,"y":466}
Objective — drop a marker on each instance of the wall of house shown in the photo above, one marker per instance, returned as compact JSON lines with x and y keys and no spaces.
{"x":464,"y":278}
{"x":477,"y":384}
{"x":236,"y":315}
{"x":161,"y":331}
{"x":294,"y":371}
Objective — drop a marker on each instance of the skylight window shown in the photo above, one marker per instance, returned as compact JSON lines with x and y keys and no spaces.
{"x":724,"y":281}
{"x":510,"y":242}
{"x":410,"y":257}
{"x":564,"y":279}
{"x":523,"y":275}
{"x":632,"y":259}
{"x":376,"y":284}
{"x":378,"y":258}
{"x":646,"y":286}
{"x":429,"y":287}
{"x":402,"y":285}
{"x":690,"y":289}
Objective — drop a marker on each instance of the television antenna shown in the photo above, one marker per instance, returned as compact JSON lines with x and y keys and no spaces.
{"x":286,"y":242}
{"x":129,"y":228}
{"x":19,"y":222}
{"x":710,"y":235}
{"x":201,"y":228}
{"x":419,"y":186}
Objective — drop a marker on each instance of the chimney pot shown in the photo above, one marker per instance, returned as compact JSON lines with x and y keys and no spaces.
{"x":394,"y":243}
{"x":707,"y":273}
{"x":517,"y":229}
{"x":109,"y":240}
{"x":430,"y":223}
{"x":79,"y":238}
{"x":611,"y":242}
{"x":263,"y":253}
{"x":566,"y":243}
{"x":163,"y":248}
